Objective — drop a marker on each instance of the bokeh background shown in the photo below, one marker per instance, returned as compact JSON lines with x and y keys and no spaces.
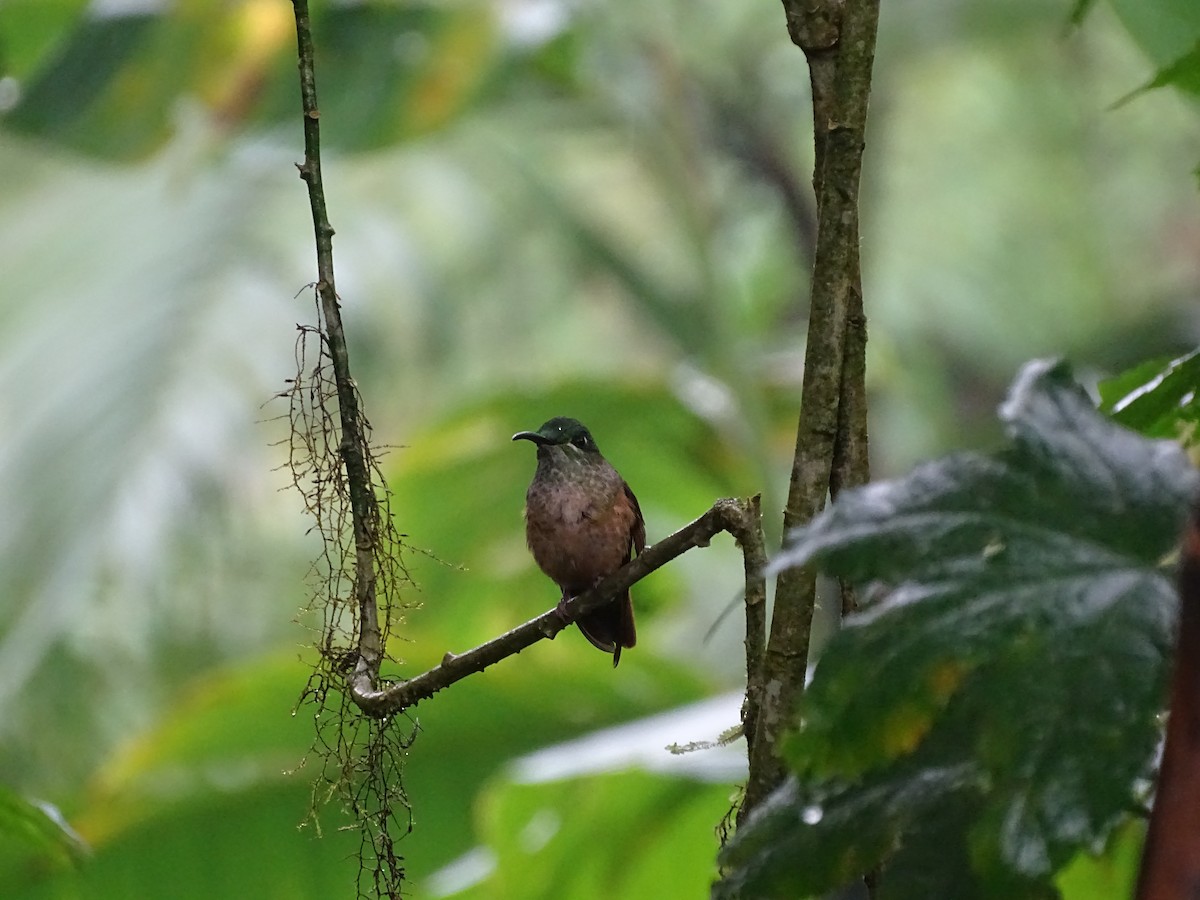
{"x":542,"y":208}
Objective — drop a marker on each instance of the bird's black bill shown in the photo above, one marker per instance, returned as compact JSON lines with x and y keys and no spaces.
{"x":539,"y":439}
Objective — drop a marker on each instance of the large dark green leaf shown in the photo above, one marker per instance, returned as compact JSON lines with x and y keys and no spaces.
{"x":1018,"y":643}
{"x":808,"y":838}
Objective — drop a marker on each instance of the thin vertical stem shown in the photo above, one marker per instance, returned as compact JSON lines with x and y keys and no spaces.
{"x":364,"y":506}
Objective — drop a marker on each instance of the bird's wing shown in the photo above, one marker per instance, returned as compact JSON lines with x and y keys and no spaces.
{"x":637,"y":534}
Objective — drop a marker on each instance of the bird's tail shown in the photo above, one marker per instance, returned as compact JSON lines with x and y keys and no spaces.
{"x":610,"y":628}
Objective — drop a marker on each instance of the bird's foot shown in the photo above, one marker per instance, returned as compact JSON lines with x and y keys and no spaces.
{"x":561,"y":611}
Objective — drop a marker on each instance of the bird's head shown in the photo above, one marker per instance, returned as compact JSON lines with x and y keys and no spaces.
{"x":569,"y":436}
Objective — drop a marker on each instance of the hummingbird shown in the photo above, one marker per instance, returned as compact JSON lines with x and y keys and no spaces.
{"x":582,"y":523}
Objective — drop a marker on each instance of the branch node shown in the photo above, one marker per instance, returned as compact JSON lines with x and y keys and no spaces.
{"x":814,"y":27}
{"x":555,"y":621}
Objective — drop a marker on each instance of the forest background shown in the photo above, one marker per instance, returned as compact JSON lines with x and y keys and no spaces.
{"x":541,"y":209}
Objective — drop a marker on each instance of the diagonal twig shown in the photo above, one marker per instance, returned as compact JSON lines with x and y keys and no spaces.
{"x":738,"y":517}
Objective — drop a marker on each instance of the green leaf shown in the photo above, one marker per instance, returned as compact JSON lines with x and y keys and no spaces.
{"x":1019,"y":642}
{"x":1112,"y":873}
{"x":1183,"y":73}
{"x":31,"y":30}
{"x":1159,"y":398}
{"x":34,"y":834}
{"x":806,"y":838}
{"x":470,"y":732}
{"x":1164,"y":29}
{"x":842,"y":829}
{"x":627,"y":834}
{"x":1079,"y":11}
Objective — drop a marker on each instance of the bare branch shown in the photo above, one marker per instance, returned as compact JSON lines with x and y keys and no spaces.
{"x":749,"y":537}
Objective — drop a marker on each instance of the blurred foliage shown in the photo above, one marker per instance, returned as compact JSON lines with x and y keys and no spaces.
{"x":990,"y":715}
{"x":542,"y":209}
{"x":422,"y":63}
{"x":544,"y":838}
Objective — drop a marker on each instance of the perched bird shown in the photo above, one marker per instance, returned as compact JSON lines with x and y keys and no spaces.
{"x":582,"y":523}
